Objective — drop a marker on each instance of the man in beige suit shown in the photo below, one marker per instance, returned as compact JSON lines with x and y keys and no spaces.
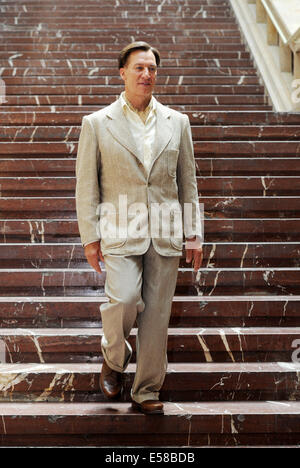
{"x":136,"y":195}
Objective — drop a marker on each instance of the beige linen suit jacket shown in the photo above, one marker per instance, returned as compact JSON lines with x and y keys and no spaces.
{"x":108,"y":166}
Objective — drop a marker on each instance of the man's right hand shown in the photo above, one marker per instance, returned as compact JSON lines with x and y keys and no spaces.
{"x":93,"y":254}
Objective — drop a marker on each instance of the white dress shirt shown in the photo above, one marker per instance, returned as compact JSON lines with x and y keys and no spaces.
{"x":142,"y":126}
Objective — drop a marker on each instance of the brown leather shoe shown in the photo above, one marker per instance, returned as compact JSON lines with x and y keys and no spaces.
{"x":149,"y":406}
{"x":110,"y":381}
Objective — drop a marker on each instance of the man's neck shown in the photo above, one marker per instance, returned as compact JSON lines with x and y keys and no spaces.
{"x":139,"y":103}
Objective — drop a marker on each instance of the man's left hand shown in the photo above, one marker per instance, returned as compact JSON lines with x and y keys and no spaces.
{"x":194,"y":253}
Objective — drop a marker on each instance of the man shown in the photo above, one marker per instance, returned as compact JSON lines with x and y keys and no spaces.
{"x":134,"y":156}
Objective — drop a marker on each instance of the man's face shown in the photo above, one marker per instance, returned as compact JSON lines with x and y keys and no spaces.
{"x":139,"y":73}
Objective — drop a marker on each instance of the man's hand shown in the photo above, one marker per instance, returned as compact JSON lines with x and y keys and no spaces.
{"x":193,"y":252}
{"x":93,"y":254}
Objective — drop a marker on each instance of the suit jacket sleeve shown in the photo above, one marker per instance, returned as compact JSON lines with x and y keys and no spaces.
{"x":87,"y":183}
{"x":187,"y":185}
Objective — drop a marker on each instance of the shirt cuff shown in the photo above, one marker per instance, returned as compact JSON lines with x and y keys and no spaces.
{"x":90,"y":242}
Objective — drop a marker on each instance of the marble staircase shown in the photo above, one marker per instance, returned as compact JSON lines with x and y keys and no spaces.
{"x":233,"y":376}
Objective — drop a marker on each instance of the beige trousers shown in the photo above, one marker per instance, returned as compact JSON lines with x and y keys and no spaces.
{"x":141,"y":288}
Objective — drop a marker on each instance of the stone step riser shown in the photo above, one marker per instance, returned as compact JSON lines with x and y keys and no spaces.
{"x":204,"y":119}
{"x":203,"y":149}
{"x":216,"y":230}
{"x":214,"y":186}
{"x":78,"y":3}
{"x":115,"y":24}
{"x":160,"y":91}
{"x":112,"y":63}
{"x":80,"y":312}
{"x":106,"y":48}
{"x":193,"y":385}
{"x":263,"y":166}
{"x":221,"y":255}
{"x":211,"y":346}
{"x":214,"y":167}
{"x":230,"y":207}
{"x":205,"y":70}
{"x":259,"y":169}
{"x":99,"y":99}
{"x":240,"y":186}
{"x":199,"y":132}
{"x":211,"y":282}
{"x":216,"y":318}
{"x":91,"y":439}
{"x":168,"y":57}
{"x":78,"y":81}
{"x":124,"y":35}
{"x":213,"y":12}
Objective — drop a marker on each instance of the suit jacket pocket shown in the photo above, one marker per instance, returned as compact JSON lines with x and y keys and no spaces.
{"x":172,"y":157}
{"x":176,"y":237}
{"x":109,"y":229}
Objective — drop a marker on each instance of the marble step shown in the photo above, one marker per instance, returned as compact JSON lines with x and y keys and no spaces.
{"x":183,"y":382}
{"x":33,"y":208}
{"x":160,"y":90}
{"x":178,"y":45}
{"x":79,"y":4}
{"x":212,"y":13}
{"x":115,"y":24}
{"x":207,"y":185}
{"x":254,"y":344}
{"x":184,"y":424}
{"x":109,"y":55}
{"x":105,"y":8}
{"x":262,"y":167}
{"x":104,"y":63}
{"x":123,"y":35}
{"x":207,"y":69}
{"x":96,"y":80}
{"x":101,"y":100}
{"x":40,"y":230}
{"x":37,"y":167}
{"x":187,"y":311}
{"x":215,"y":255}
{"x":199,"y":132}
{"x":51,"y":132}
{"x":230,"y":167}
{"x":249,"y":132}
{"x":235,"y":186}
{"x":251,"y":207}
{"x":248,"y":149}
{"x":248,"y":230}
{"x":94,"y":3}
{"x":202,"y":149}
{"x":88,"y":109}
{"x":119,"y":16}
{"x":55,"y":230}
{"x":207,"y":281}
{"x":262,"y":119}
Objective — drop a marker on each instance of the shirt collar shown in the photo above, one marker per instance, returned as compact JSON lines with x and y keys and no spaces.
{"x":126,"y":105}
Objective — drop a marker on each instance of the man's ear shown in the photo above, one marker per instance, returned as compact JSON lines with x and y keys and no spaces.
{"x":122,"y":73}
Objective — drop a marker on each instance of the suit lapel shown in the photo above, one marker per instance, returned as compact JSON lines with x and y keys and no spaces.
{"x":164,"y":130}
{"x":119,"y":128}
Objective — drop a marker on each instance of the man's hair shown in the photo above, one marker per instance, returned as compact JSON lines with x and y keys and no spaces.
{"x":139,"y":45}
